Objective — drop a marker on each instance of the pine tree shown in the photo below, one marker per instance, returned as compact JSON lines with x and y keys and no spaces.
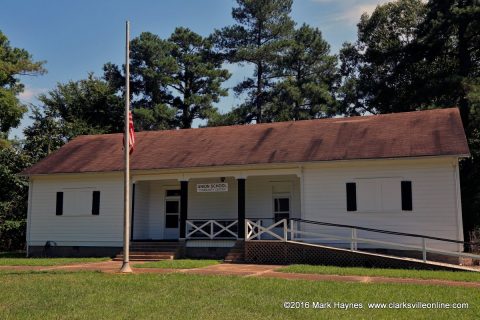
{"x":262,"y":32}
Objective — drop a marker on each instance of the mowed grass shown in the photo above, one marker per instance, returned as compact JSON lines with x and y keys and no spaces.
{"x":178,"y":264}
{"x":95,"y":295}
{"x":393,"y":273}
{"x":18,"y":259}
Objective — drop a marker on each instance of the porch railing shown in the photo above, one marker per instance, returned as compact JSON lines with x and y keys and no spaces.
{"x":296,"y":230}
{"x":211,"y":229}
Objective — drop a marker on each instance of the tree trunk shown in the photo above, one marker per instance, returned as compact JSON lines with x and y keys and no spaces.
{"x":465,"y":65}
{"x":258,"y":100}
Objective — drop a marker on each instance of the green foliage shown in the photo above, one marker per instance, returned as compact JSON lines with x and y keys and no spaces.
{"x":174,"y":81}
{"x":43,"y":136}
{"x":377,"y":78}
{"x":411,"y":56}
{"x":14,"y":62}
{"x":159,"y":117}
{"x":262,"y":32}
{"x":87,"y":106}
{"x":13,"y":198}
{"x":310,"y":77}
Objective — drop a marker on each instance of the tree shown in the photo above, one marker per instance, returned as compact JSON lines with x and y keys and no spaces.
{"x":413,"y":56}
{"x":378,"y":77}
{"x":260,"y":35}
{"x":150,"y":67}
{"x":14,"y":62}
{"x":13,"y":197}
{"x":310,"y":77}
{"x":449,"y":40}
{"x":198,"y":76}
{"x":88,"y":106}
{"x":174,"y":81}
{"x":43,"y":136}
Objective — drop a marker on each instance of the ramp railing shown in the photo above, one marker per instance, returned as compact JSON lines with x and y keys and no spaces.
{"x":347,"y":236}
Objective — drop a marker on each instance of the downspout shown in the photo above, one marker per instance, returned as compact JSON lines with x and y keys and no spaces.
{"x":302,"y":197}
{"x":458,"y":202}
{"x":29,"y":214}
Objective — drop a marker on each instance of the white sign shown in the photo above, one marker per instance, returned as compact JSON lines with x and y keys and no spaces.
{"x":212,"y":187}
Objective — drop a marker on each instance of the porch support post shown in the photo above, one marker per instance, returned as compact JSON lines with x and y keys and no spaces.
{"x":183,"y":207}
{"x":241,"y":208}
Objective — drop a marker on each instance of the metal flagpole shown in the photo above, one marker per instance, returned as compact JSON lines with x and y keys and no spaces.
{"x":126,"y":208}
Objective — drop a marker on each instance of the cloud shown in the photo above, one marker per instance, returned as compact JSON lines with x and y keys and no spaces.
{"x":30,"y":95}
{"x":350,"y":11}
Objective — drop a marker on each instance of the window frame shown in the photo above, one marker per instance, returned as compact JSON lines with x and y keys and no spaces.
{"x":277,"y":196}
{"x":172,"y":198}
{"x":87,"y":212}
{"x":397,"y":179}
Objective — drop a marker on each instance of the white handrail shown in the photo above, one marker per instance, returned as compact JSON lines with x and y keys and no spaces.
{"x":255,"y":230}
{"x":192,"y":228}
{"x":251,"y":234}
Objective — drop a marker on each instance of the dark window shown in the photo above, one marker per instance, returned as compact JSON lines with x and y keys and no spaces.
{"x":281,"y":209}
{"x":282,"y":205}
{"x":351,"y":196}
{"x":96,"y":203}
{"x":171,"y":206}
{"x":59,"y":206}
{"x":173,"y":193}
{"x":407,"y":204}
{"x":280,"y":216}
{"x":171,"y":221}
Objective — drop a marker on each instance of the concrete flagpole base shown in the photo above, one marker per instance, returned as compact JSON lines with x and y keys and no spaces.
{"x":126,"y":267}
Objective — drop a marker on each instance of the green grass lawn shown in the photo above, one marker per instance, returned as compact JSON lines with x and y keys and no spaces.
{"x":90,"y":295}
{"x":18,"y":259}
{"x":395,"y":273}
{"x":178,"y":264}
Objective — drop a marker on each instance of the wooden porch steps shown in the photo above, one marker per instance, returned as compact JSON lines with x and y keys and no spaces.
{"x":152,"y":251}
{"x":236,"y":253}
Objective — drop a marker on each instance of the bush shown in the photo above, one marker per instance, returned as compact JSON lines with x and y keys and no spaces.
{"x":12,"y":235}
{"x":474,"y":236}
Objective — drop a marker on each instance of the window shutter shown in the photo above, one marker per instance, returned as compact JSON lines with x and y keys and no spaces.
{"x":96,"y":203}
{"x":351,"y":196}
{"x":59,"y":206}
{"x":407,"y":204}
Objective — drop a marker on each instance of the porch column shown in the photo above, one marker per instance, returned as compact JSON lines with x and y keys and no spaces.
{"x":241,"y":208}
{"x":183,"y":207}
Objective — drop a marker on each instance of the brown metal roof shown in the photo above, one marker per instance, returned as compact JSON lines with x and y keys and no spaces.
{"x":412,"y":134}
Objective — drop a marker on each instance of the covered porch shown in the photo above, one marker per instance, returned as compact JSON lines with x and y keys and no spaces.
{"x":209,"y":209}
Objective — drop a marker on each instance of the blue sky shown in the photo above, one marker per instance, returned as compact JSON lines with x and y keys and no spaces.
{"x":77,"y":37}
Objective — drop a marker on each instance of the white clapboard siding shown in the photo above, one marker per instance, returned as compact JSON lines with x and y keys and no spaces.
{"x":212,"y":205}
{"x":436,"y":210}
{"x":156,"y":206}
{"x":260,"y":190}
{"x":149,"y":213}
{"x":141,"y":211}
{"x":76,"y":229}
{"x":433,"y":188}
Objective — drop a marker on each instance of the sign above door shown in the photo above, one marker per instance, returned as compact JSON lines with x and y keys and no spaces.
{"x":212,"y":187}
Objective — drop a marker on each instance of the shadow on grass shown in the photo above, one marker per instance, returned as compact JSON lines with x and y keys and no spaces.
{"x":14,"y":254}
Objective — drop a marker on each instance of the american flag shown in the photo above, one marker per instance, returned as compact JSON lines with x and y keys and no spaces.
{"x":131,"y":133}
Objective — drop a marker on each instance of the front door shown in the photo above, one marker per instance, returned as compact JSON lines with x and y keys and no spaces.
{"x":172,"y":214}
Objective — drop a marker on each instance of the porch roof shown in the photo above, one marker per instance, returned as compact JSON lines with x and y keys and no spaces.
{"x":411,"y":134}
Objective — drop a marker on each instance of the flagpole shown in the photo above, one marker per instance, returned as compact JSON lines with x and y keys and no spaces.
{"x":126,"y":207}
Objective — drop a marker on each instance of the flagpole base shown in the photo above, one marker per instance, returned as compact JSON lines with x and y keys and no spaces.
{"x":126,"y":267}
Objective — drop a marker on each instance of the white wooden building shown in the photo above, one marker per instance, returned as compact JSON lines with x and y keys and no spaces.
{"x":395,"y":172}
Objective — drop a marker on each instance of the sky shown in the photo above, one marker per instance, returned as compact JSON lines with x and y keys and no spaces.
{"x":78,"y":37}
